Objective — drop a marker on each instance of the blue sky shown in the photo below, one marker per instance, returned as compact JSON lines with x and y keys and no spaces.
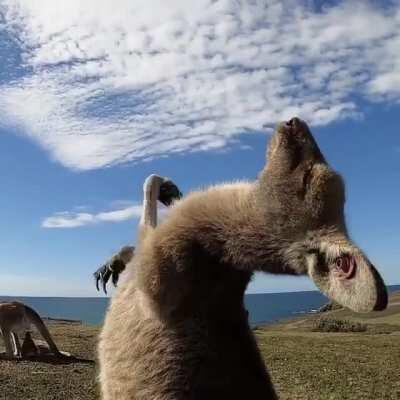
{"x":93,"y":99}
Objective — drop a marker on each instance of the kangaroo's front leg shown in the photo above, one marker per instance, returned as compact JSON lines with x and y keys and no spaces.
{"x":8,"y":342}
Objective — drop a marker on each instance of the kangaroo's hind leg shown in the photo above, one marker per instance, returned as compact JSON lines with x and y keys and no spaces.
{"x":16,"y":344}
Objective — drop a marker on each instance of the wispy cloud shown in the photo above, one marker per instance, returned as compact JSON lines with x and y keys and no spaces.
{"x":68,"y":219}
{"x":76,"y":219}
{"x":103,"y":82}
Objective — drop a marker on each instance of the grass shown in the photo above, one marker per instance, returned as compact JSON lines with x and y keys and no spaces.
{"x":330,"y":366}
{"x":30,"y":380}
{"x":303,"y":364}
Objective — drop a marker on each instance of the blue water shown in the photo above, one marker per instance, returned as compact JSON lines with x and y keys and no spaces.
{"x":266,"y":307}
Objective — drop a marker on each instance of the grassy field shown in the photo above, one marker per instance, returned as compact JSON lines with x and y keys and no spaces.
{"x":30,"y":380}
{"x":303,"y":364}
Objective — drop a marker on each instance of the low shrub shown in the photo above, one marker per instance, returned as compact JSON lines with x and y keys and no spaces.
{"x":337,"y":325}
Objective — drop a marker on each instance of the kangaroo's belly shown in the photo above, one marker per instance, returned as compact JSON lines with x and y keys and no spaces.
{"x":144,"y":358}
{"x":20,"y":326}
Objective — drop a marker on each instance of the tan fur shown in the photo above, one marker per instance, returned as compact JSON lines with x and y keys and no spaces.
{"x":17,"y":317}
{"x":178,"y":329}
{"x":155,"y":188}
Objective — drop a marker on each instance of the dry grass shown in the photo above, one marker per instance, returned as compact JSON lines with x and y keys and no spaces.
{"x":330,"y":366}
{"x":303,"y":364}
{"x":29,"y":380}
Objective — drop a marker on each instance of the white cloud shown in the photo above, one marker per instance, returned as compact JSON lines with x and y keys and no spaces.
{"x":73,"y":219}
{"x":120,"y":215}
{"x":111,"y":82}
{"x":68,"y":219}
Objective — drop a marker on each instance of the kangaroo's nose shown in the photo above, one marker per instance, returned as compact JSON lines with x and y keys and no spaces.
{"x":294,"y":122}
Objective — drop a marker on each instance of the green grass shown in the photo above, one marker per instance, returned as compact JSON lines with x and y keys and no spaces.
{"x":303,"y":364}
{"x":330,"y":366}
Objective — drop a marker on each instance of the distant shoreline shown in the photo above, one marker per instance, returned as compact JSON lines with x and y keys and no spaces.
{"x":62,"y":320}
{"x":264,"y":308}
{"x":391,"y":287}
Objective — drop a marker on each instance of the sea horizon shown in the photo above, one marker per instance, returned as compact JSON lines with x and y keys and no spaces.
{"x":109,"y":297}
{"x":263,"y":308}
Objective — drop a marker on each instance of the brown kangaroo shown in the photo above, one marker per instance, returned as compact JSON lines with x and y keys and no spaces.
{"x":178,"y":330}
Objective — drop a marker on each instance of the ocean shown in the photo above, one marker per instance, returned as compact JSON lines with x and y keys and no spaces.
{"x":263,"y":307}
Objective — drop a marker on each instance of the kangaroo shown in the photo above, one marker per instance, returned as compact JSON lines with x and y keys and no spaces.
{"x":16,"y":317}
{"x":156,"y":188}
{"x":178,"y":329}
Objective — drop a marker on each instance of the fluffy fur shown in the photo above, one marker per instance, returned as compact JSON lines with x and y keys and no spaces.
{"x":178,"y":329}
{"x":155,"y":188}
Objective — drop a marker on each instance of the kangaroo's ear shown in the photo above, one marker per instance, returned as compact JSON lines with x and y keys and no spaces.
{"x":345,"y":275}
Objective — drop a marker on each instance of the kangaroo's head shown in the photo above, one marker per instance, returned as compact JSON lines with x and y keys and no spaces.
{"x":305,"y":202}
